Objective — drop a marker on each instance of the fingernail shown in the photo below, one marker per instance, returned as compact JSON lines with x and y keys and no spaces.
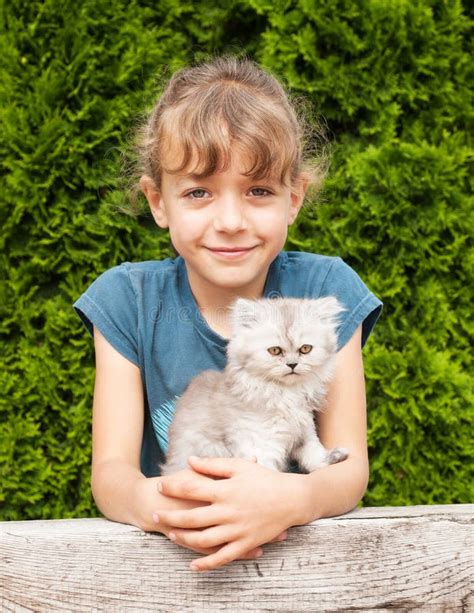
{"x":172,"y":536}
{"x":156,"y":517}
{"x":282,"y":537}
{"x":194,"y":566}
{"x":194,"y":457}
{"x":160,"y":486}
{"x":259,"y":553}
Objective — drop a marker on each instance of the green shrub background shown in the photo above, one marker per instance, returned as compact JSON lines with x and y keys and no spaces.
{"x":390,"y":77}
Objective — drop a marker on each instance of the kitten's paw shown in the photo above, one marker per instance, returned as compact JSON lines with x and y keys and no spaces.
{"x":338,"y":454}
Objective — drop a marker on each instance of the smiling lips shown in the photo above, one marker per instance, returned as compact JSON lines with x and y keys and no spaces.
{"x":231,"y":252}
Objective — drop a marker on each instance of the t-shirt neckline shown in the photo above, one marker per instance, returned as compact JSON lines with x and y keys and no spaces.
{"x":271,"y":289}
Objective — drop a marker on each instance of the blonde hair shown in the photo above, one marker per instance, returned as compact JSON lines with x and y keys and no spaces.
{"x":212,"y":109}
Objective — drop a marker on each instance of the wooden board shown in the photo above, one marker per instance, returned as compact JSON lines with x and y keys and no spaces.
{"x":372,"y":559}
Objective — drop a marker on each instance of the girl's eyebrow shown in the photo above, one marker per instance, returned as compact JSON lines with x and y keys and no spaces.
{"x":182,"y":178}
{"x":193,"y":177}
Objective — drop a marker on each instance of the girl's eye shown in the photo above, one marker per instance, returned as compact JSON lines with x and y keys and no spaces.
{"x":260,"y":190}
{"x":305,"y":348}
{"x":274,"y":350}
{"x":197,"y":194}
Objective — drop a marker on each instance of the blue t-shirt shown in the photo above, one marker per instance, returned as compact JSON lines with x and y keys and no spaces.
{"x":148,"y":313}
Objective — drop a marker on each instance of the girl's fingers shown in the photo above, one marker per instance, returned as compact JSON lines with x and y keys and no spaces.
{"x":223,"y":468}
{"x":253,"y":554}
{"x":203,"y":550}
{"x":207,"y":539}
{"x":187,"y":489}
{"x":217,"y":467}
{"x":203,"y":539}
{"x":199,"y":517}
{"x":281,"y":537}
{"x":227,"y":553}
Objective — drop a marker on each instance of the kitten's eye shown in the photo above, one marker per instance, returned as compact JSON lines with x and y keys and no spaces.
{"x":305,"y":348}
{"x":274,"y":350}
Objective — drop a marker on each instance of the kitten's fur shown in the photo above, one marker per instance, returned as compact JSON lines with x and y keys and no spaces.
{"x":256,"y":406}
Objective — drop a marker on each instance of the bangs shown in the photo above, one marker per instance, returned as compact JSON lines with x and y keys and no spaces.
{"x":226,"y":119}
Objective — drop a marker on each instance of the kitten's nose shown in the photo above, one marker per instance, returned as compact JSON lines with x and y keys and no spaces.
{"x":292,"y":366}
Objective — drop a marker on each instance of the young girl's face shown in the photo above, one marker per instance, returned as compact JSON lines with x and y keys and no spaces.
{"x":227,"y":227}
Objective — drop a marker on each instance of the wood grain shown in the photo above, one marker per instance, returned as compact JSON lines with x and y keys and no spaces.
{"x":377,"y":559}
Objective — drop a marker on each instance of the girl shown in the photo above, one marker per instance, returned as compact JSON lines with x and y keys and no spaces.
{"x":223,"y":169}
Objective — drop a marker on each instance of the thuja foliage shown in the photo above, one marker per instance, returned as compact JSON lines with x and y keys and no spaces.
{"x":391,"y":80}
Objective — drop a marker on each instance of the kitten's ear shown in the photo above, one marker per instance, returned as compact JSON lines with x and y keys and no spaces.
{"x":244,"y":313}
{"x":328,"y":308}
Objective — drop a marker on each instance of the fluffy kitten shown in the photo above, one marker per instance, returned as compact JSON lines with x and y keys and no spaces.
{"x":279,"y":360}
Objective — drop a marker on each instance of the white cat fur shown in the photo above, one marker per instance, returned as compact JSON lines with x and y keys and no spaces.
{"x":256,"y":407}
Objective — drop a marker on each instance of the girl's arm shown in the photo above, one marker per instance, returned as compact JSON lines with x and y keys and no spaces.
{"x":338,"y":488}
{"x":120,"y":490}
{"x":117,"y":426}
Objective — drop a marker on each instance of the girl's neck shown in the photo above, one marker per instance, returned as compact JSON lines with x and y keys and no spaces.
{"x":214,"y":301}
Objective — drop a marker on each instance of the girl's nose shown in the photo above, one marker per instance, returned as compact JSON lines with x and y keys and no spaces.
{"x":229,"y":215}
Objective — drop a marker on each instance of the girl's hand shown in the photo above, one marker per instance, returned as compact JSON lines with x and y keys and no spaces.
{"x":148,"y":498}
{"x":248,"y":506}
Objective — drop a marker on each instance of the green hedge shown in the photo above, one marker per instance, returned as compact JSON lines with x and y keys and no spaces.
{"x":390,"y":77}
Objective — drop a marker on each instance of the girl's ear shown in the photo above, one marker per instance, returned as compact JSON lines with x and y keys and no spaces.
{"x":297,"y":195}
{"x":155,"y":200}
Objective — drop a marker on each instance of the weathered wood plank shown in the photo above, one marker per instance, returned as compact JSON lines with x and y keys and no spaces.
{"x":378,"y":559}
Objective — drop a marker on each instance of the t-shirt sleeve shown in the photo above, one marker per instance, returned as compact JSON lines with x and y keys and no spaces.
{"x":362,"y":306}
{"x":110,"y":305}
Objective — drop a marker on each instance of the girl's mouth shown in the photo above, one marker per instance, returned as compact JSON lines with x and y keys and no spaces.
{"x":231,"y":253}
